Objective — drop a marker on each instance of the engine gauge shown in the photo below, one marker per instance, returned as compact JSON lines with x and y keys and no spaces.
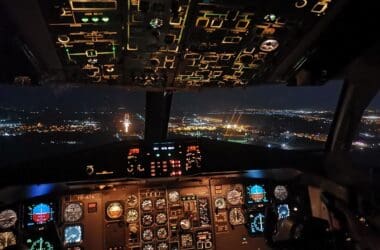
{"x":147,"y":234}
{"x":114,"y":210}
{"x":236,"y":216}
{"x":147,"y":205}
{"x":161,"y":218}
{"x":41,"y":244}
{"x":220,"y":203}
{"x":132,"y":215}
{"x":148,"y":247}
{"x":163,"y":246}
{"x":7,"y":239}
{"x":132,"y":200}
{"x":147,"y":220}
{"x":280,"y":192}
{"x":234,"y":197}
{"x":162,"y":233}
{"x":173,"y":196}
{"x":73,"y":212}
{"x":185,"y":224}
{"x":8,"y":218}
{"x":161,"y":203}
{"x":73,"y":234}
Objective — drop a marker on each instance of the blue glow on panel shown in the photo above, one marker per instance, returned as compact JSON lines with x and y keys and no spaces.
{"x":39,"y":190}
{"x":254,"y":174}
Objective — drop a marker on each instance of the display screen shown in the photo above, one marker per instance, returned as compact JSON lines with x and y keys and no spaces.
{"x":73,"y":234}
{"x":256,"y":223}
{"x":283,"y":211}
{"x":256,"y":194}
{"x":40,"y":243}
{"x":40,"y":213}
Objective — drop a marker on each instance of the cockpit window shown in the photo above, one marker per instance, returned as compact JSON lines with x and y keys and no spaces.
{"x":44,"y":121}
{"x":272,"y":116}
{"x":368,"y":137}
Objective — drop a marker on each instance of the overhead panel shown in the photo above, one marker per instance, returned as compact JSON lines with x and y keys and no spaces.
{"x":175,"y":44}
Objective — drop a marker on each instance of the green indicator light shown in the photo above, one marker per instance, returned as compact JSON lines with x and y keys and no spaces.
{"x":67,"y":50}
{"x":84,"y":19}
{"x":105,"y":19}
{"x":113,"y":48}
{"x":95,"y":19}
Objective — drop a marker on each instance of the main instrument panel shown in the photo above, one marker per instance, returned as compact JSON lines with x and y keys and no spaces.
{"x":209,"y":212}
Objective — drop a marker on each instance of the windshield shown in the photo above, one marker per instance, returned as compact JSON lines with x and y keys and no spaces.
{"x":368,"y":136}
{"x":273,"y":116}
{"x":44,"y":121}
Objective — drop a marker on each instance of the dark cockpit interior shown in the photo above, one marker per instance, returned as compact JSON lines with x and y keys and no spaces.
{"x":218,"y":155}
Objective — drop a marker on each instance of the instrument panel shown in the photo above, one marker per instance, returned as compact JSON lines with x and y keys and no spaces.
{"x":173,"y":44}
{"x":213,"y":212}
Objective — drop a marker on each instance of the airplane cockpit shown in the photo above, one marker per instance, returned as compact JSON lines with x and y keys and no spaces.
{"x":221,"y":153}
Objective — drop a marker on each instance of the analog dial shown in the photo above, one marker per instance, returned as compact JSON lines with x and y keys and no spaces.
{"x":220,"y":203}
{"x":147,"y":220}
{"x":132,"y":215}
{"x":236,"y":216}
{"x":161,"y":218}
{"x":7,"y":239}
{"x":162,"y":233}
{"x":148,"y":247}
{"x":147,"y":234}
{"x":8,"y":218}
{"x":147,"y":205}
{"x":163,"y":246}
{"x":132,"y":200}
{"x":234,"y":197}
{"x":173,"y":196}
{"x":114,"y":210}
{"x":185,"y":224}
{"x":73,"y":212}
{"x":161,"y":203}
{"x":280,"y":192}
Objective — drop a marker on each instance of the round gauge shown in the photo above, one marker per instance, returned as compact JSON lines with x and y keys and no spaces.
{"x":41,"y":244}
{"x":283,"y":211}
{"x":8,"y":218}
{"x":7,"y":239}
{"x":132,"y":215}
{"x":41,"y":213}
{"x":163,"y":246}
{"x":257,"y":223}
{"x":234,"y":197}
{"x":173,"y":196}
{"x":147,"y":220}
{"x":148,"y":247}
{"x":161,"y":203}
{"x":236,"y":216}
{"x":73,"y":212}
{"x":280,"y":192}
{"x":185,"y":224}
{"x":162,"y":233}
{"x":161,"y":218}
{"x":132,"y":200}
{"x":147,"y":205}
{"x":114,"y":210}
{"x":73,"y":234}
{"x":220,"y":203}
{"x":147,"y":234}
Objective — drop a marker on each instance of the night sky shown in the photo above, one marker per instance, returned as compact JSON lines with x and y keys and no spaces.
{"x":101,"y":98}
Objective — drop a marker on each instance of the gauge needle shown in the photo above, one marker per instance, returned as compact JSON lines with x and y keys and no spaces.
{"x":40,"y":243}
